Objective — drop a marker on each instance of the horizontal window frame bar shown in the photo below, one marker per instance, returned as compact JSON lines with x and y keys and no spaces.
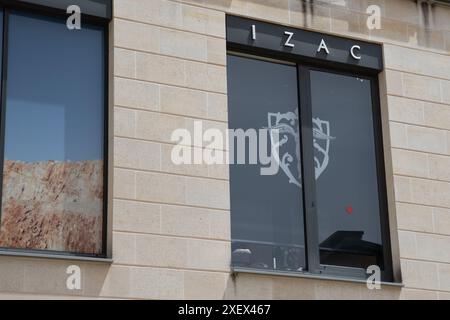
{"x":56,"y":8}
{"x":259,"y":57}
{"x":53,"y":255}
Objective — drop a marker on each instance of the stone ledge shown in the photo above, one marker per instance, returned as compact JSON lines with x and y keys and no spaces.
{"x":237,"y":270}
{"x":57,"y":256}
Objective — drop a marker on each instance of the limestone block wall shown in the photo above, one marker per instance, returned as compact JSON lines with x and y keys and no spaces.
{"x":170,"y":231}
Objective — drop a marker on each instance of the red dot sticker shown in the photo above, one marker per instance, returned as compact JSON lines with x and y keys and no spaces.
{"x":349,"y":209}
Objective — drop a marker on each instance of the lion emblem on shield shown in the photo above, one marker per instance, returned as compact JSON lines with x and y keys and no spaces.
{"x":287,"y":127}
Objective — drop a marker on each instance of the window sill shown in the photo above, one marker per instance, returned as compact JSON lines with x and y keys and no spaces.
{"x":308,"y":276}
{"x":55,"y":256}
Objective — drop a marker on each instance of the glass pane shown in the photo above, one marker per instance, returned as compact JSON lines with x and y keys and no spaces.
{"x":1,"y":48}
{"x":345,"y":168}
{"x":53,"y":169}
{"x":266,"y":210}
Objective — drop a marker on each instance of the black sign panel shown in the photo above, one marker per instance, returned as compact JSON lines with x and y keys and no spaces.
{"x":96,"y":8}
{"x":304,"y":44}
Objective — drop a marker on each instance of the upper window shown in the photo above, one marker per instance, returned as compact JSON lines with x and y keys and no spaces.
{"x":348,"y":205}
{"x":53,"y":126}
{"x":267,"y":210}
{"x":328,"y":178}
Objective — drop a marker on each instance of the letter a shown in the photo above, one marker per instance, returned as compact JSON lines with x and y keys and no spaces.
{"x":73,"y":281}
{"x":323,"y":45}
{"x":74,"y":21}
{"x":374,"y":20}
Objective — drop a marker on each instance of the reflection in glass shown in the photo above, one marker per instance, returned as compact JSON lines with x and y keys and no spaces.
{"x":266,"y":210}
{"x":53,"y":168}
{"x":344,"y":154}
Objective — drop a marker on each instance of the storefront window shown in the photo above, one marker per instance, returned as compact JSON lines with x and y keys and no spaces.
{"x":324,"y":210}
{"x":267,"y":210}
{"x":54,"y":124}
{"x":348,"y":207}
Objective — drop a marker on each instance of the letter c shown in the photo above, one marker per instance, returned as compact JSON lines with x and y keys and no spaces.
{"x":352,"y":52}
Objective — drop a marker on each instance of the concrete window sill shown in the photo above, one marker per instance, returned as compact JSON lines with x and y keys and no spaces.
{"x":306,"y":275}
{"x":56,"y":256}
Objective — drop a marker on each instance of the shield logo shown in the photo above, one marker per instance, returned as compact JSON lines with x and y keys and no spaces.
{"x":286,"y":125}
{"x":321,"y":143}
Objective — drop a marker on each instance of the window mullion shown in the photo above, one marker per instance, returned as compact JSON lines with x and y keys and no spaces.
{"x":4,"y":61}
{"x":308,"y":174}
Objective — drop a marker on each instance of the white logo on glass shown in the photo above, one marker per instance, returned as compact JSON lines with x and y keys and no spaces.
{"x":287,"y":127}
{"x":321,"y":142}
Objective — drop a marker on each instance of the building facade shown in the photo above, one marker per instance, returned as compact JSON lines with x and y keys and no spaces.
{"x":95,"y":206}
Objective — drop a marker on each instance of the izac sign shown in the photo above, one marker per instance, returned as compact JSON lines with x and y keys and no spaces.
{"x":302,"y":44}
{"x":322,"y":45}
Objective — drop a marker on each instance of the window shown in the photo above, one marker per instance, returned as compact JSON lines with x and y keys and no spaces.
{"x":346,"y":191}
{"x":267,"y":211}
{"x":53,"y":135}
{"x":323,"y":211}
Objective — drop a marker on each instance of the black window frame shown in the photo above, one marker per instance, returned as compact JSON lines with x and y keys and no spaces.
{"x":304,"y":66}
{"x":57,"y":13}
{"x":309,"y":180}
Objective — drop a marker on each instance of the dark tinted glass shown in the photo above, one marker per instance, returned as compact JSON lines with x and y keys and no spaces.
{"x":1,"y":47}
{"x":346,"y":175}
{"x":53,"y":163}
{"x":266,"y":210}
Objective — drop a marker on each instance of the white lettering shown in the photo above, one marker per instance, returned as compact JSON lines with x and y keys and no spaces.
{"x":73,"y":281}
{"x":323,"y":45}
{"x":374,"y":20}
{"x":288,"y":41}
{"x":181,"y":152}
{"x":74,"y":20}
{"x":213,"y":153}
{"x":253,"y":32}
{"x":373,"y":281}
{"x":352,"y":52}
